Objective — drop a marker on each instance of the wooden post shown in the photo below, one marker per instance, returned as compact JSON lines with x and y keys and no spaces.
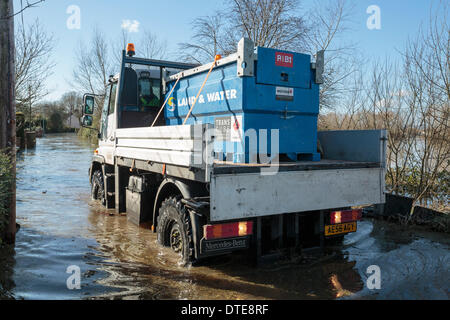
{"x":258,"y":241}
{"x":7,"y":103}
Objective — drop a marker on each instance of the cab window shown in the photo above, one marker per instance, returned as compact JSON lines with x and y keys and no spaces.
{"x":108,"y":108}
{"x":112,"y":98}
{"x":105,"y":109}
{"x":149,"y":93}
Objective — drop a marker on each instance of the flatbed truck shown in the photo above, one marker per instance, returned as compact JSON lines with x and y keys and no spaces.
{"x":181,"y":179}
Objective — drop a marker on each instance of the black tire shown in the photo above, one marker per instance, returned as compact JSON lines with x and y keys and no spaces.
{"x":98,"y":187}
{"x":175,"y":230}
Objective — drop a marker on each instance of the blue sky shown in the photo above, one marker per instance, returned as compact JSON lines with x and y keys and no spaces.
{"x":170,"y":20}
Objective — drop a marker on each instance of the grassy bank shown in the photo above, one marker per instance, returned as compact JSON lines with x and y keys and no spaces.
{"x":5,"y":184}
{"x":91,"y":135}
{"x":403,"y":210}
{"x":430,"y":190}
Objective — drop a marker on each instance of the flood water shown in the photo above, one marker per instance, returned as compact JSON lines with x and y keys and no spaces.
{"x":62,"y":227}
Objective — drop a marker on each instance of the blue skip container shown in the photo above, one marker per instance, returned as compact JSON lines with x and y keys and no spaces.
{"x":261,"y":101}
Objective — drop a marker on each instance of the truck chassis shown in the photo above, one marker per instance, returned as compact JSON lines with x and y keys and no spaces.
{"x":287,"y":209}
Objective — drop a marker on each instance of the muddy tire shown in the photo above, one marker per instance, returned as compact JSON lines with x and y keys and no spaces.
{"x":98,"y":187}
{"x":174,"y":229}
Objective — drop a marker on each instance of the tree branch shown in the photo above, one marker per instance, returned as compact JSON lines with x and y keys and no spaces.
{"x":29,"y":5}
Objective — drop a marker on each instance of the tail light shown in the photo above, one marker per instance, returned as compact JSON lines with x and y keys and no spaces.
{"x":345,"y":216}
{"x":229,"y":230}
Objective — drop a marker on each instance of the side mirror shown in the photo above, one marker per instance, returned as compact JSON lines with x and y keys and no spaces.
{"x":88,"y":104}
{"x":87,"y":120}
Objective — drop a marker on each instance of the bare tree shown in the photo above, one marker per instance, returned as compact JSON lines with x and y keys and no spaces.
{"x":33,"y":64}
{"x":387,"y":107}
{"x":71,"y":103}
{"x":268,"y":23}
{"x":23,"y":8}
{"x":94,"y":65}
{"x":328,"y":22}
{"x":151,"y":47}
{"x":98,"y":60}
{"x":427,"y":69}
{"x":148,"y":45}
{"x":208,"y":40}
{"x":119,"y":45}
{"x":411,"y":100}
{"x":280,"y":24}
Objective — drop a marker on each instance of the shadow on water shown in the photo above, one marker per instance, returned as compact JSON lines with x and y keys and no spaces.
{"x":62,"y":227}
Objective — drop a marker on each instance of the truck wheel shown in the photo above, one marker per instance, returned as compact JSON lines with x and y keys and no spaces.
{"x":98,"y":187}
{"x":175,"y":230}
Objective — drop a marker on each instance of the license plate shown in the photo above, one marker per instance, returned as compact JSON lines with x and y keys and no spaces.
{"x":335,"y":229}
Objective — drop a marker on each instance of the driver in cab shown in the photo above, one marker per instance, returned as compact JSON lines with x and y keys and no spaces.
{"x":147,"y":99}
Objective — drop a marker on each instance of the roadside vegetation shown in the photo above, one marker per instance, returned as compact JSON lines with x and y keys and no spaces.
{"x":34,"y":65}
{"x":410,"y":98}
{"x":6,"y":179}
{"x":51,"y":117}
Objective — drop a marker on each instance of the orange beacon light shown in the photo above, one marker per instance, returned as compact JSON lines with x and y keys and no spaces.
{"x":130,"y":50}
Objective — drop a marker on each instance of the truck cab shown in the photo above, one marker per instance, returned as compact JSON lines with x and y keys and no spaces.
{"x":131,"y":100}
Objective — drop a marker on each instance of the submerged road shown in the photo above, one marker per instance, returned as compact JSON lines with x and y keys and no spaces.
{"x":62,"y":228}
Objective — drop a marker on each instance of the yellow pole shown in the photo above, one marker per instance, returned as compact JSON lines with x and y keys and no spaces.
{"x":164,"y":104}
{"x":218,"y":57}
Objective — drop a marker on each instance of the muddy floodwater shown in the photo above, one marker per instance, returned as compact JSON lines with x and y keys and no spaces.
{"x":61,"y":228}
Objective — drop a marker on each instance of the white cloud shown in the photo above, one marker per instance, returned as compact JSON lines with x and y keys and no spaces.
{"x":130,"y":26}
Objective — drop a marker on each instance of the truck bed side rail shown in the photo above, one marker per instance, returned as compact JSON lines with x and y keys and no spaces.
{"x":355,"y":145}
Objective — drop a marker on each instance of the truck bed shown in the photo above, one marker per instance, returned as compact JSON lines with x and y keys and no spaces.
{"x":351,"y":173}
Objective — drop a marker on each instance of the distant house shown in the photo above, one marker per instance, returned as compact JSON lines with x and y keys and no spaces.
{"x":73,"y":122}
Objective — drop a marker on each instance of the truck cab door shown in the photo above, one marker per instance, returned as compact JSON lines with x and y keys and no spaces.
{"x":108,"y":124}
